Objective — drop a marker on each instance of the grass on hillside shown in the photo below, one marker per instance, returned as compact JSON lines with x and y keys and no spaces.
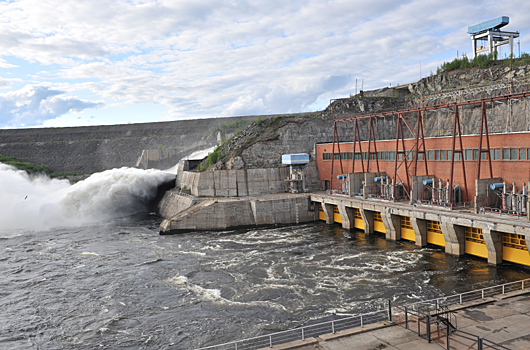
{"x":31,"y":168}
{"x":482,"y":61}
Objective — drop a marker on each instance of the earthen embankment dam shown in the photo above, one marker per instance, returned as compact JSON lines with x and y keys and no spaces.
{"x":97,"y":148}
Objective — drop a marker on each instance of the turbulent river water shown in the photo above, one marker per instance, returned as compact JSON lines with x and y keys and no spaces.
{"x":115,"y":283}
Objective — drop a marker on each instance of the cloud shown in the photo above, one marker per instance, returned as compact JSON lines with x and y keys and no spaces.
{"x":210,"y":58}
{"x":32,"y":105}
{"x":7,"y":83}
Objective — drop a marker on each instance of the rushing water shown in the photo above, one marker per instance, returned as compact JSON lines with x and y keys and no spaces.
{"x":118,"y":284}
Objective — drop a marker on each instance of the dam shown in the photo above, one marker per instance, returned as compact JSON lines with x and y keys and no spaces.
{"x":413,"y":189}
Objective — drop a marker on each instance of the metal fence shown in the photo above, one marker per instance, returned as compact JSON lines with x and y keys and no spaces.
{"x":439,"y":329}
{"x":420,"y":317}
{"x":302,"y":333}
{"x":435,"y":304}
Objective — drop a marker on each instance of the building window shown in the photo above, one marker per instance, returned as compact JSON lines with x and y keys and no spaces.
{"x":420,"y":156}
{"x":386,"y":155}
{"x":522,"y":154}
{"x":484,"y":155}
{"x":514,"y":154}
{"x":410,"y":155}
{"x":443,"y":155}
{"x":475,"y":154}
{"x":392,"y":155}
{"x":497,"y":154}
{"x":400,"y":156}
{"x":365,"y":155}
{"x":449,"y":153}
{"x":469,"y":154}
{"x":505,"y":154}
{"x":337,"y":156}
{"x":350,"y":155}
{"x":430,"y":155}
{"x":437,"y":155}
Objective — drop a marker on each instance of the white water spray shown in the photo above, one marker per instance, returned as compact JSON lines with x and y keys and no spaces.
{"x":40,"y":202}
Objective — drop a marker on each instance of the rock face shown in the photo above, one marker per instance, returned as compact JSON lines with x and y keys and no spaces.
{"x":262,"y":145}
{"x":235,"y":163}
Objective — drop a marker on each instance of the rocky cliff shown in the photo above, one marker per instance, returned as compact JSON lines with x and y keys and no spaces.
{"x":261,"y":145}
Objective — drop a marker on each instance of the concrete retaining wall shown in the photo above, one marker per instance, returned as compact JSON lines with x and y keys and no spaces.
{"x":235,"y":183}
{"x":174,"y":202}
{"x":223,"y":214}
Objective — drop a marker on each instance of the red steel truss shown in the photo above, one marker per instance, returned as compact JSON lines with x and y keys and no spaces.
{"x":484,"y":127}
{"x":371,"y":134}
{"x":460,"y":151}
{"x":357,"y":139}
{"x":333,"y":153}
{"x":418,"y":134}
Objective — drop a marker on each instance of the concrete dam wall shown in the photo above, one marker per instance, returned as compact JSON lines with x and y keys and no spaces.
{"x":97,"y":148}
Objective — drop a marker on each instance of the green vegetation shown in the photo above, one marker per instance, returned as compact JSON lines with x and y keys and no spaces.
{"x":237,"y":124}
{"x":523,"y":60}
{"x":259,"y":120}
{"x":481,"y":61}
{"x":161,"y":147}
{"x":30,"y":168}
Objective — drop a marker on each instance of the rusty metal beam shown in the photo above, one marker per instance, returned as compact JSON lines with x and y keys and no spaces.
{"x":487,"y":150}
{"x":438,"y":106}
{"x":371,"y":133}
{"x":335,"y":136}
{"x":357,"y":139}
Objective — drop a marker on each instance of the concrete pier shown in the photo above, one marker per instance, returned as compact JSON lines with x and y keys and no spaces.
{"x":463,"y":230}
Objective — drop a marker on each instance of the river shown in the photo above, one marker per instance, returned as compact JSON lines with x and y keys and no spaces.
{"x":115,"y":283}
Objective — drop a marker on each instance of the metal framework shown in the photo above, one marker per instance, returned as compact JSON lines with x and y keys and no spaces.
{"x":418,"y":134}
{"x":487,"y":150}
{"x":456,"y":127}
{"x":356,"y":139}
{"x":371,"y":134}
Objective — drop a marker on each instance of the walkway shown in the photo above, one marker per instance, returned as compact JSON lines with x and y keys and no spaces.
{"x":503,"y":320}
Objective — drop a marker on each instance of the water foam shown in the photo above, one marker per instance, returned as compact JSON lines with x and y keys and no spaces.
{"x":31,"y":202}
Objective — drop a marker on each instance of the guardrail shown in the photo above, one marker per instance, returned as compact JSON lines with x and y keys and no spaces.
{"x":439,"y":330}
{"x":422,"y":314}
{"x":304,"y":332}
{"x":434,"y":304}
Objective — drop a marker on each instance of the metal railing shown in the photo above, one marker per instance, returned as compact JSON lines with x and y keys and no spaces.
{"x":420,"y":317}
{"x":434,"y":304}
{"x":304,"y":332}
{"x":439,"y":330}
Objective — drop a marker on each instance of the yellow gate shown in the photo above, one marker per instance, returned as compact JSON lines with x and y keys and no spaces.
{"x":434,"y":233}
{"x":379,"y":226}
{"x":474,"y":243}
{"x":514,"y":249}
{"x":407,"y":232}
{"x":321,"y":214}
{"x":358,"y":219}
{"x":336,"y":215}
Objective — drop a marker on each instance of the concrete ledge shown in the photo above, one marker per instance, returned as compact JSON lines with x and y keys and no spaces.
{"x":356,"y":330}
{"x":512,"y":294}
{"x":294,"y":344}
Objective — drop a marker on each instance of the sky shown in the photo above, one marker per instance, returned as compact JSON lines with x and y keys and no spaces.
{"x":100,"y":62}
